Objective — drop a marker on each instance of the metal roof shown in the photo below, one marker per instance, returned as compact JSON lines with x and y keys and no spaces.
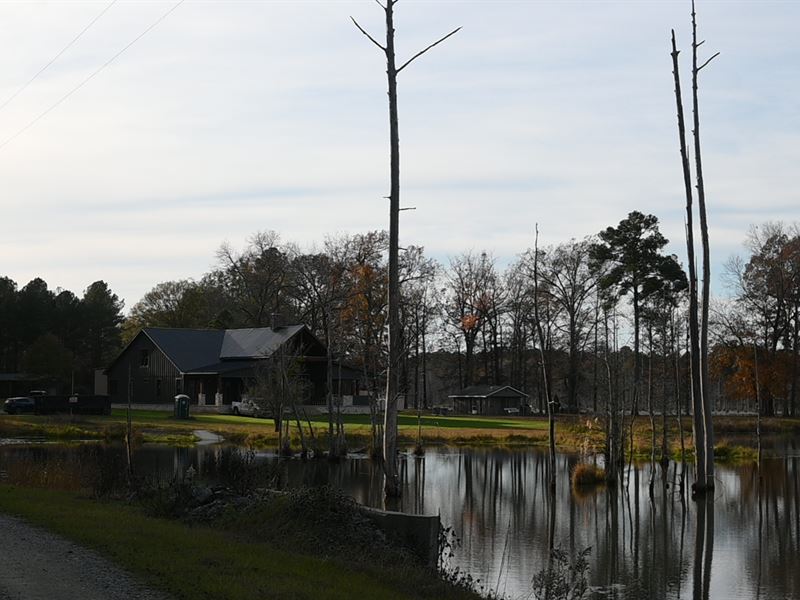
{"x":486,"y":391}
{"x":255,"y":343}
{"x":218,"y":350}
{"x":188,"y":349}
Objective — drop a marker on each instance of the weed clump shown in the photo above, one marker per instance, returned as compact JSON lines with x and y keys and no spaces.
{"x":586,"y":474}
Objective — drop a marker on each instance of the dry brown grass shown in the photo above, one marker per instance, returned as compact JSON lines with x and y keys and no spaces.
{"x":586,"y":474}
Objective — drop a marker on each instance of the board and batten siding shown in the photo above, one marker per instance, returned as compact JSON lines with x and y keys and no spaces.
{"x":155,"y":380}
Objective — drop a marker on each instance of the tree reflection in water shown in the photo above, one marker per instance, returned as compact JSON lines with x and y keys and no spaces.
{"x":497,"y":501}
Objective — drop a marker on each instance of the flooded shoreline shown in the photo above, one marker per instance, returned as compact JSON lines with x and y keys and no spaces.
{"x":498,"y":506}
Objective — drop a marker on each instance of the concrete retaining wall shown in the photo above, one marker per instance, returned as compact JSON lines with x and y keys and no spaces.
{"x":418,"y":532}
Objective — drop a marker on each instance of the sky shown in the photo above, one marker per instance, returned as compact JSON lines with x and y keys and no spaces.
{"x":227,"y":118}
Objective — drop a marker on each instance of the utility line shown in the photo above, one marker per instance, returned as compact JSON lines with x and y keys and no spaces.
{"x":90,"y":77}
{"x":57,"y":56}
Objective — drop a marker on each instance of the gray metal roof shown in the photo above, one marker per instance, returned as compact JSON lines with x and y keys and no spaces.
{"x":255,"y":343}
{"x":218,"y":350}
{"x":486,"y":391}
{"x":188,"y":349}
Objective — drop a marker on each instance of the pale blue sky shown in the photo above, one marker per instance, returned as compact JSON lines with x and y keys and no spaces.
{"x":230,"y":117}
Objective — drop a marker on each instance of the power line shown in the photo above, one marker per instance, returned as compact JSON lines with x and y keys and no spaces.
{"x":90,"y":77}
{"x":57,"y":56}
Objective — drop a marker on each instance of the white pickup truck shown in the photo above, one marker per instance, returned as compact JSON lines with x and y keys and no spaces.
{"x":247,"y":407}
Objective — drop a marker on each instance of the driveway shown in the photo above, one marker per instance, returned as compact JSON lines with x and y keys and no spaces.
{"x":38,"y":565}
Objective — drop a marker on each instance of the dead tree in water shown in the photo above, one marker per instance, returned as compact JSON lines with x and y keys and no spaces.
{"x":551,"y":425}
{"x":758,"y":402}
{"x":392,"y":482}
{"x":702,"y":424}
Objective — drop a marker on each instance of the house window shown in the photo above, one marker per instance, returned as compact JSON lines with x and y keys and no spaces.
{"x":144,"y":358}
{"x":178,"y":386}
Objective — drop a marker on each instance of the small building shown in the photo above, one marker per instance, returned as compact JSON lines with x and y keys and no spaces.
{"x":215,"y":366}
{"x":494,"y":400}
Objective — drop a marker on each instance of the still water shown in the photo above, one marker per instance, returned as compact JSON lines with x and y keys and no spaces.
{"x":743,"y":543}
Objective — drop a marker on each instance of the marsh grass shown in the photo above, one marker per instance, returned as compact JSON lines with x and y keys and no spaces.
{"x":587,"y":474}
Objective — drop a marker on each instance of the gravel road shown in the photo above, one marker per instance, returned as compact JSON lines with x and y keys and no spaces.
{"x":38,"y":565}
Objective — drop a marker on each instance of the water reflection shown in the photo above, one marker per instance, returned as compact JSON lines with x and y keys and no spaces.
{"x":740,"y":544}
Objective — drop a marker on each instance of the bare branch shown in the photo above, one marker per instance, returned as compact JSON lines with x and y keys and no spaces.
{"x":378,"y":2}
{"x":700,"y":44}
{"x":372,"y":39}
{"x":708,"y":61}
{"x":421,"y":52}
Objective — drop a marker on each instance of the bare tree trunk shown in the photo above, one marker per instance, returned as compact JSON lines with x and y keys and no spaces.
{"x":650,"y":412}
{"x":708,"y":423}
{"x":678,"y":403}
{"x":613,"y":441}
{"x":424,"y":363}
{"x":594,"y":360}
{"x":664,"y":396}
{"x":299,"y":425}
{"x":758,"y":402}
{"x":698,"y":425}
{"x":551,"y":427}
{"x":637,"y":368}
{"x":332,"y":450}
{"x":416,"y":359}
{"x":315,"y":448}
{"x":129,"y":428}
{"x":795,"y":368}
{"x":391,"y":482}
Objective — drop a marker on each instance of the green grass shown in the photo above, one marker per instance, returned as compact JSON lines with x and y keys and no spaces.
{"x":406,"y":420}
{"x":583,"y":434}
{"x":172,"y":439}
{"x":199,"y":562}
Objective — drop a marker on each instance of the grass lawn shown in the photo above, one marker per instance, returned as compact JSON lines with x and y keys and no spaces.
{"x":160,"y":426}
{"x":573,"y":433}
{"x":201,"y":562}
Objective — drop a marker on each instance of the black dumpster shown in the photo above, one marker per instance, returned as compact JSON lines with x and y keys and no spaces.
{"x":181,"y":406}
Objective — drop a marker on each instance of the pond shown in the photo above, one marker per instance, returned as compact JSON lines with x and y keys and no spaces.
{"x":741,"y":544}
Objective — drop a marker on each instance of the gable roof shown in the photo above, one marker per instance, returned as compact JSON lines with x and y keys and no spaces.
{"x":188,"y":349}
{"x":259,"y":342}
{"x":488,"y":391}
{"x":217,"y":350}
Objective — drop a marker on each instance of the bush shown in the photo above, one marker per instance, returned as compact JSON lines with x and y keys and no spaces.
{"x":565,"y":578}
{"x":587,"y":474}
{"x":242,"y":473}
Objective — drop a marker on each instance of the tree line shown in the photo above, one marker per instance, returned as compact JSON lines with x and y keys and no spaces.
{"x":612,"y":308}
{"x":57,"y":336}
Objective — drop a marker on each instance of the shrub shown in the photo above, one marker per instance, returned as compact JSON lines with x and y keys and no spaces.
{"x":588,"y":474}
{"x":241,"y":472}
{"x":171,"y":499}
{"x":565,"y":577}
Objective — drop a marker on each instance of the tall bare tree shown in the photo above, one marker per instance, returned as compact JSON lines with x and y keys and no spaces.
{"x":551,"y":425}
{"x":571,"y":283}
{"x":392,"y":482}
{"x":702,"y":423}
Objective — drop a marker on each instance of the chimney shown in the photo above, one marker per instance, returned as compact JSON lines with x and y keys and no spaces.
{"x":276,"y":321}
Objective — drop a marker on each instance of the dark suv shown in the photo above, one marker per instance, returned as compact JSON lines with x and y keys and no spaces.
{"x":22,"y":404}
